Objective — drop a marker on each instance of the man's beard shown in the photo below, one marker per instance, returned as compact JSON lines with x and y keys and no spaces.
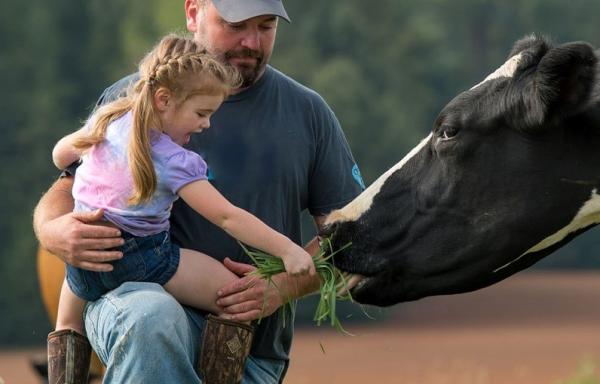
{"x":249,"y":73}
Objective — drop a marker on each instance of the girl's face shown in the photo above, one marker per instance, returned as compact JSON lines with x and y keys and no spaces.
{"x":180,"y":120}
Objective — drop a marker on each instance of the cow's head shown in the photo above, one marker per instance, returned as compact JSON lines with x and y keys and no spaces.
{"x":509,"y":173}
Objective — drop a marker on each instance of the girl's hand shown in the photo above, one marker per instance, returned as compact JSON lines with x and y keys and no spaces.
{"x":298,"y":262}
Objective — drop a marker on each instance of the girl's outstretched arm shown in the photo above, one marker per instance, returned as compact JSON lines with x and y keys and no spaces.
{"x":64,"y":154}
{"x":247,"y":228}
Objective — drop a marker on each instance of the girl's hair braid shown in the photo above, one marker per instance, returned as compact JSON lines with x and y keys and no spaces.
{"x":178,"y":64}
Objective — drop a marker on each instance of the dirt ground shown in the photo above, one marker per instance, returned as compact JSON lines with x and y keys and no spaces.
{"x":533,"y":328}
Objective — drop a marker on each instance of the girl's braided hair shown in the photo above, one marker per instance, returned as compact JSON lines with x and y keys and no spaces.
{"x":178,"y":64}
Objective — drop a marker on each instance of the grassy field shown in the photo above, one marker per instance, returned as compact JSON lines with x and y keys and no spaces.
{"x":533,"y":328}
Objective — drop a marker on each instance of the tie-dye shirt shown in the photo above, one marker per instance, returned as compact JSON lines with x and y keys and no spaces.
{"x":104,"y":180}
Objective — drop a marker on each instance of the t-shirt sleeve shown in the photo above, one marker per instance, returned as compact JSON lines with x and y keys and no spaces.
{"x":183,"y":168}
{"x":335,"y":178}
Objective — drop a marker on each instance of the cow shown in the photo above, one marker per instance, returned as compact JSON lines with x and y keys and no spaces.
{"x":509,"y":173}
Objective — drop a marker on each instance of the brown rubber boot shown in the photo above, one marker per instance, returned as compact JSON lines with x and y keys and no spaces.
{"x":68,"y":357}
{"x":225,"y":347}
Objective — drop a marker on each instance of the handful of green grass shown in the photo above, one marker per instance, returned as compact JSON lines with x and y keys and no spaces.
{"x":332,"y":279}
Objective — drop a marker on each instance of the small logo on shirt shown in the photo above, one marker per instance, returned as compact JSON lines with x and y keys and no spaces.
{"x":357,"y":176}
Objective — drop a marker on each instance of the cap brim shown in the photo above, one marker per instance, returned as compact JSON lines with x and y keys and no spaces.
{"x":235,"y":11}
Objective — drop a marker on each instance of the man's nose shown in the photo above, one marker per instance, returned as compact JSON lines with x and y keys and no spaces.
{"x":251,"y":40}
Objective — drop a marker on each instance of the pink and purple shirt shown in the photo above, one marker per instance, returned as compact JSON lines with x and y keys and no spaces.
{"x":104,"y":180}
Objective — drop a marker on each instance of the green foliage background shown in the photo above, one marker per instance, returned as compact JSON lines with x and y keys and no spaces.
{"x":386,"y":67}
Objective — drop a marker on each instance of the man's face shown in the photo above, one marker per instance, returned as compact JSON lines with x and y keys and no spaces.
{"x":247,"y":45}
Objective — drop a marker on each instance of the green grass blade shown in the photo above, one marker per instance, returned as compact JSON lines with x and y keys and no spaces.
{"x":332,"y":279}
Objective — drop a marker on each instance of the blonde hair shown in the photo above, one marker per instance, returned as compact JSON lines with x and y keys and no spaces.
{"x":178,"y":64}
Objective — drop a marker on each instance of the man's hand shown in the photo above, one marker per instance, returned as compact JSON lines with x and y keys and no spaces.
{"x":72,"y":236}
{"x":250,"y":297}
{"x":78,"y":242}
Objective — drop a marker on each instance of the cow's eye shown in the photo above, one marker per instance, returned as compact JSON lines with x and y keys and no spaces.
{"x":447,"y":132}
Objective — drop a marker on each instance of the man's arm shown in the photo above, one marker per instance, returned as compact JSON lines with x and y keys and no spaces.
{"x":251,"y":297}
{"x":71,"y":235}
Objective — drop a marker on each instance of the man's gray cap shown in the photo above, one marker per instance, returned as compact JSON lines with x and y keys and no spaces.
{"x":235,"y":11}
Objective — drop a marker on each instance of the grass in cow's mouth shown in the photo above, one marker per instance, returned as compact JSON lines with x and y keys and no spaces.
{"x":332,"y":279}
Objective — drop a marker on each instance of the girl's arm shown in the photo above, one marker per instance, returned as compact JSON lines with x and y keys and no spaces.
{"x":64,"y":154}
{"x":247,"y":228}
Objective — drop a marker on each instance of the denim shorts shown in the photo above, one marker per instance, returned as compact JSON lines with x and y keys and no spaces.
{"x":152,"y":259}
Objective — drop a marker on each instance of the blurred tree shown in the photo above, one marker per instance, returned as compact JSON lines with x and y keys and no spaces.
{"x":57,"y":57}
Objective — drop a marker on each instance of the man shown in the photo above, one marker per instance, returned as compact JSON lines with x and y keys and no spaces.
{"x":274,"y":148}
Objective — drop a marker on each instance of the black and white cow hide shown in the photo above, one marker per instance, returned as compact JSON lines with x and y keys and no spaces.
{"x":509,"y":173}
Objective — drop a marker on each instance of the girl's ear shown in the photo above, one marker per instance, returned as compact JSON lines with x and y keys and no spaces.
{"x":162,"y":98}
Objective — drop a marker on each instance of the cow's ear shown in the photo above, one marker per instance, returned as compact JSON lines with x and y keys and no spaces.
{"x":532,"y":46}
{"x":562,"y":83}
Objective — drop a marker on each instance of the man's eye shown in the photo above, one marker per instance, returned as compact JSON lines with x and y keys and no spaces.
{"x":236,"y":27}
{"x":267,"y":27}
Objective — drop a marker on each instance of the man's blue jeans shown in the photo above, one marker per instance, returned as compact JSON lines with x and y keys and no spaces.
{"x":143,"y":335}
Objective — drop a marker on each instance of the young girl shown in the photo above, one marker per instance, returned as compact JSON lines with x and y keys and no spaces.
{"x":134,"y":167}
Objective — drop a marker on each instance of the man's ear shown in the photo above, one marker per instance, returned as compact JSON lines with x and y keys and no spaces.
{"x":191,"y":13}
{"x":162,"y":98}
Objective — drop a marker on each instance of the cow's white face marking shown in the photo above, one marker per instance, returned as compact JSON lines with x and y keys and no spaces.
{"x":587,"y":215}
{"x":506,"y":70}
{"x":353,"y":210}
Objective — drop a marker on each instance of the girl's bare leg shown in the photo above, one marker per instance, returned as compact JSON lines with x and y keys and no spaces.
{"x":70,"y":310}
{"x":197,"y":280}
